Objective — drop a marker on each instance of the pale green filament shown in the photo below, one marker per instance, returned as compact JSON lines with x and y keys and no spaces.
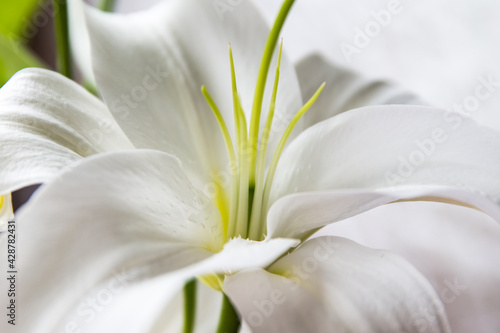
{"x":242,"y":136}
{"x":279,"y":150}
{"x":261,"y":84}
{"x":259,"y":181}
{"x":242,"y":218}
{"x":229,"y":228}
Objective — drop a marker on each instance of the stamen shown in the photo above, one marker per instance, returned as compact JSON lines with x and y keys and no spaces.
{"x":241,"y":133}
{"x":228,"y":225}
{"x":259,"y":181}
{"x":279,"y":151}
{"x":239,"y":115}
{"x":261,"y":84}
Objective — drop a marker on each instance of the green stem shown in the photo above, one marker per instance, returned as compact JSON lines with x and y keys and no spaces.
{"x":62,"y":38}
{"x":261,"y":82}
{"x":229,"y":322}
{"x":107,"y":5}
{"x":189,"y":306}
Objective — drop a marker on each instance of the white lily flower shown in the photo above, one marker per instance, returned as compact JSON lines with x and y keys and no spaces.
{"x":140,"y":222}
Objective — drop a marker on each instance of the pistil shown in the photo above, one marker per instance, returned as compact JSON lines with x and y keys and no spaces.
{"x":272,"y":40}
{"x":254,"y":222}
{"x":242,"y":136}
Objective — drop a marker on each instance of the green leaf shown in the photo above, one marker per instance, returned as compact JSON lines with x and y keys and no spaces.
{"x":14,"y":56}
{"x":15,"y":14}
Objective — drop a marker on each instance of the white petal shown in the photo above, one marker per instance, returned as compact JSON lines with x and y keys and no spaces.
{"x":375,"y":155}
{"x":333,"y":284}
{"x":151,"y":65}
{"x":345,"y":89}
{"x":79,"y":40}
{"x":456,"y":249}
{"x":48,"y":122}
{"x":298,"y":215}
{"x":123,"y":216}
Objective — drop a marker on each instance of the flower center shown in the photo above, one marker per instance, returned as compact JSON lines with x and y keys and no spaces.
{"x":251,"y":185}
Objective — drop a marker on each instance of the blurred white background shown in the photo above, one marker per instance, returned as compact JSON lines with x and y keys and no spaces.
{"x":438,"y":49}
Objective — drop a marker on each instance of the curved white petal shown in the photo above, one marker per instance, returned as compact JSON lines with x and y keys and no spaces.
{"x":345,"y":89}
{"x":300,"y":214}
{"x":113,"y":227}
{"x":150,"y":67}
{"x":455,"y":248}
{"x":375,"y":155}
{"x":46,"y":123}
{"x":333,"y":284}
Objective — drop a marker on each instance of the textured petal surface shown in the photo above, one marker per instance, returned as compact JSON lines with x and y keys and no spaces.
{"x":48,"y":122}
{"x":375,"y":155}
{"x":106,"y":234}
{"x":150,"y":66}
{"x":344,"y":286}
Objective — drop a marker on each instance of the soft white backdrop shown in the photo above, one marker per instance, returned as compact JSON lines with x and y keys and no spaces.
{"x":436,"y":48}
